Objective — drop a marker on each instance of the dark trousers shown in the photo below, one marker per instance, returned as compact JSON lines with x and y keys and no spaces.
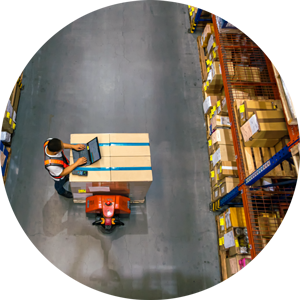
{"x":59,"y":185}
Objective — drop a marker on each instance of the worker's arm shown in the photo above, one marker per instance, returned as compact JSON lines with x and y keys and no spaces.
{"x":69,"y":169}
{"x":75,"y":147}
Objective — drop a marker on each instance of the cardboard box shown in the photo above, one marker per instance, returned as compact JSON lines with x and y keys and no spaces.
{"x":227,"y":185}
{"x":265,"y":109}
{"x":16,"y":99}
{"x":209,"y":103}
{"x":216,"y":193}
{"x":7,"y":125}
{"x":214,"y":55}
{"x":214,"y":177}
{"x":127,"y":144}
{"x":214,"y":83}
{"x":268,"y":224}
{"x":126,"y":175}
{"x":258,"y":129}
{"x":220,"y":122}
{"x":211,"y":44}
{"x":249,"y":74}
{"x":223,"y":153}
{"x":210,"y":147}
{"x":221,"y":137}
{"x":235,"y":217}
{"x":234,"y":274}
{"x":222,"y":109}
{"x":261,"y":143}
{"x":222,"y":223}
{"x":5,"y":137}
{"x":231,"y":243}
{"x":242,"y":94}
{"x":227,"y":169}
{"x":208,"y":30}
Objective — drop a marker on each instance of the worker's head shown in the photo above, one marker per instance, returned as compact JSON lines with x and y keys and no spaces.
{"x":55,"y":145}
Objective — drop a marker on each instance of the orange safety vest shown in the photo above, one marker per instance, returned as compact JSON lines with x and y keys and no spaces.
{"x":57,"y":161}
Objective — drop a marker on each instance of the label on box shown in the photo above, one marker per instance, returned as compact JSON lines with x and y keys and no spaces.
{"x":242,"y":116}
{"x":218,"y":103}
{"x":219,"y":109}
{"x":214,"y":54}
{"x":14,"y":126}
{"x":220,"y":242}
{"x":253,"y":124}
{"x":237,"y":243}
{"x":220,"y":169}
{"x":222,"y":221}
{"x":209,"y":143}
{"x":81,"y":191}
{"x":236,"y":282}
{"x":7,"y":114}
{"x":10,"y":120}
{"x":19,"y":34}
{"x":229,"y":240}
{"x":210,"y":74}
{"x":207,"y":83}
{"x":233,"y":265}
{"x":222,"y":189}
{"x":217,"y":177}
{"x":191,"y":13}
{"x":216,"y":193}
{"x":224,"y":102}
{"x":214,"y":45}
{"x":216,"y":157}
{"x":227,"y":219}
{"x":243,"y":250}
{"x":208,"y":69}
{"x":212,"y":174}
{"x":223,"y":240}
{"x":242,"y":108}
{"x":225,"y":121}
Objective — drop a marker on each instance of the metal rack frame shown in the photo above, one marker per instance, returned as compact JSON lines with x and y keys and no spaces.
{"x":242,"y":44}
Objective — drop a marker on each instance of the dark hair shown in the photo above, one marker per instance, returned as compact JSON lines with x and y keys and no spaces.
{"x":54,"y":145}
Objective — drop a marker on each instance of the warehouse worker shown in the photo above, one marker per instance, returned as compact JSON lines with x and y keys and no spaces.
{"x":57,"y":164}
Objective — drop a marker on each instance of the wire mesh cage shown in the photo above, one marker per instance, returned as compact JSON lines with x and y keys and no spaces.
{"x":274,"y":214}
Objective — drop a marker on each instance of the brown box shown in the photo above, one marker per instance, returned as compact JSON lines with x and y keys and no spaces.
{"x":223,"y":153}
{"x":7,"y":125}
{"x":249,"y":74}
{"x":227,"y":169}
{"x":258,"y":129}
{"x":210,"y":147}
{"x":232,"y":264}
{"x":222,"y":109}
{"x":227,"y":185}
{"x":221,"y":137}
{"x":208,"y":30}
{"x":222,"y":223}
{"x":231,"y":243}
{"x":214,"y":176}
{"x":261,"y":143}
{"x":235,"y":217}
{"x":220,"y":122}
{"x":214,"y":83}
{"x":209,"y":103}
{"x":215,"y":193}
{"x":214,"y":55}
{"x":211,"y":44}
{"x":268,"y":224}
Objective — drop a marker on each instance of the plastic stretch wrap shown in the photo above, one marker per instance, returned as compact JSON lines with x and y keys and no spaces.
{"x":278,"y":7}
{"x":233,"y":15}
{"x":285,"y":41}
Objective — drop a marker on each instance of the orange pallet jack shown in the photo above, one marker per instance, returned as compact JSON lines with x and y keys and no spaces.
{"x":108,"y":209}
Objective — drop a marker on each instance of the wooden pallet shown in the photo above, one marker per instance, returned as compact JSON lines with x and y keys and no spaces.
{"x":7,"y":164}
{"x":254,"y":157}
{"x":202,"y":59}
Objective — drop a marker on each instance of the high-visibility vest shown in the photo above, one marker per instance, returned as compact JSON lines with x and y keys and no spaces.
{"x":57,"y":161}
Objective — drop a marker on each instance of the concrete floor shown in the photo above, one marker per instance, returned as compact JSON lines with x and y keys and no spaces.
{"x":127,"y":68}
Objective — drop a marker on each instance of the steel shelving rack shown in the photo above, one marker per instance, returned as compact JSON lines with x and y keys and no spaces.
{"x":238,"y":49}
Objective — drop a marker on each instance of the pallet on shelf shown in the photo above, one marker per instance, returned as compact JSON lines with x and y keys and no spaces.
{"x":7,"y":164}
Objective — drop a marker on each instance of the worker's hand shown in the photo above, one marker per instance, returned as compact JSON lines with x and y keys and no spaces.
{"x":78,"y":147}
{"x":81,"y":161}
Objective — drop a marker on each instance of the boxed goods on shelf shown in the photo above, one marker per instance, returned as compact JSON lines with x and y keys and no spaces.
{"x":235,"y":15}
{"x":211,"y":44}
{"x":220,"y":122}
{"x":268,"y":224}
{"x":208,"y":30}
{"x":256,"y":128}
{"x":223,"y":153}
{"x":5,"y":137}
{"x":222,"y":109}
{"x":235,"y":217}
{"x":214,"y":83}
{"x":233,"y":263}
{"x":227,"y":169}
{"x":249,"y":74}
{"x":227,"y":185}
{"x":221,"y":241}
{"x":209,"y":103}
{"x":234,"y":244}
{"x":221,"y":137}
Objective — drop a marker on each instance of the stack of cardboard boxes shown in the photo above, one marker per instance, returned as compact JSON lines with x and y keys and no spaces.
{"x":223,"y":167}
{"x":16,"y":48}
{"x":235,"y":249}
{"x":124,"y":169}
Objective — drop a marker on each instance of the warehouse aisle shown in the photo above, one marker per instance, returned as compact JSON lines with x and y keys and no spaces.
{"x":128,"y":68}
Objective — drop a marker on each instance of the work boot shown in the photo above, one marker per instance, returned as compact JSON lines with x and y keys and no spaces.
{"x":67,"y":194}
